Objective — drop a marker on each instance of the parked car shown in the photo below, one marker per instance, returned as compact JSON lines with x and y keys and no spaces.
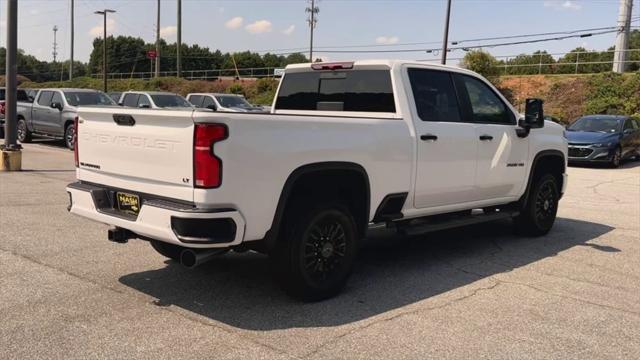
{"x":223,"y":102}
{"x":115,"y":95}
{"x":604,"y":138}
{"x":412,"y":145}
{"x":21,"y":97}
{"x":53,"y":112}
{"x":153,"y":100}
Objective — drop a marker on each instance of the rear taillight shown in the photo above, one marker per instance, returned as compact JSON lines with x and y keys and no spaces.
{"x":207,"y":167}
{"x":75,"y":141}
{"x":2,"y":107}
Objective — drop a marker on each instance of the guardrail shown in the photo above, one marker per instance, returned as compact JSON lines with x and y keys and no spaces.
{"x":258,"y":72}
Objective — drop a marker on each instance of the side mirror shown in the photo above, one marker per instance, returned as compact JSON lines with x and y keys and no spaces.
{"x":56,"y":105}
{"x":534,"y":114}
{"x":212,"y":107}
{"x":144,"y":106}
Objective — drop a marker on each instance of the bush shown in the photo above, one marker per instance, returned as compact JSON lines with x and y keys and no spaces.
{"x":483,"y":63}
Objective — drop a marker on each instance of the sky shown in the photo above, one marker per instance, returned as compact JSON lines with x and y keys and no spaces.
{"x":280,"y":25}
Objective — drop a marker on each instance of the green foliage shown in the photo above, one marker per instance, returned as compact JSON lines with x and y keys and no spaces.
{"x":613,"y":93}
{"x":236,"y":89}
{"x":481,"y":62}
{"x":530,"y":64}
{"x":126,"y":54}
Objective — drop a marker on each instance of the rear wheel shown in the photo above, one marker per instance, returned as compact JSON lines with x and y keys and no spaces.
{"x":24,"y":135}
{"x":316,"y":258}
{"x":539,"y":214}
{"x":70,"y":136}
{"x":167,"y":250}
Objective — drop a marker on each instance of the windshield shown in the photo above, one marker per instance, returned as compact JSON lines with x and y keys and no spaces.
{"x":233,"y":101}
{"x":87,"y":98}
{"x":595,"y":124}
{"x":170,"y":100}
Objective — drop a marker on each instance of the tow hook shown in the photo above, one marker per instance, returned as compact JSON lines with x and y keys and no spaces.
{"x":120,"y":235}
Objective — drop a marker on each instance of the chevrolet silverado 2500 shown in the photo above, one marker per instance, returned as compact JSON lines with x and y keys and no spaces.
{"x":415,"y":146}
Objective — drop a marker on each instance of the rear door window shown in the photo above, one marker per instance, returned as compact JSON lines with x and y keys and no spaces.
{"x":434,"y":95}
{"x":130,"y":100}
{"x":45,"y":98}
{"x":359,"y":90}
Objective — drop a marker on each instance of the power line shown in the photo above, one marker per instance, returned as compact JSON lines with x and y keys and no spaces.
{"x":464,"y":47}
{"x":454,"y":42}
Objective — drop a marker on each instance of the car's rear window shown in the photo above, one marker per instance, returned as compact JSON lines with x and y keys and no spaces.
{"x":359,"y":90}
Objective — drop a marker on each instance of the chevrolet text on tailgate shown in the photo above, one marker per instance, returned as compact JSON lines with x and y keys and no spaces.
{"x":347,"y":146}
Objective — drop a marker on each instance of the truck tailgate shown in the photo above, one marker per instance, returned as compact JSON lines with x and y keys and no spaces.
{"x":141,"y":150}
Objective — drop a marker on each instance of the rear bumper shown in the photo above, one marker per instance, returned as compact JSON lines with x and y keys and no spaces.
{"x":161,"y":220}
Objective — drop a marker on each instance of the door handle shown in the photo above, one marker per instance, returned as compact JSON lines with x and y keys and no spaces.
{"x":428,"y":137}
{"x":486,"y":137}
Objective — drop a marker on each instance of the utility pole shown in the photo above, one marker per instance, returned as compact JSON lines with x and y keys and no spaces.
{"x":104,"y":46}
{"x":11,"y":154}
{"x":71,"y":54}
{"x":445,"y":41}
{"x":179,"y":41}
{"x":158,"y":42}
{"x":312,"y":21}
{"x":622,"y":41}
{"x":55,"y":42}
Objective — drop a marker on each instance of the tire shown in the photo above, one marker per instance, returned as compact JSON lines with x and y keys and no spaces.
{"x":69,"y":136}
{"x":616,"y":159}
{"x":539,"y":214}
{"x":316,"y":258}
{"x":167,"y":250}
{"x":24,"y":135}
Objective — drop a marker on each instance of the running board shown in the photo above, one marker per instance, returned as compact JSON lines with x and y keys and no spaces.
{"x":432,"y":224}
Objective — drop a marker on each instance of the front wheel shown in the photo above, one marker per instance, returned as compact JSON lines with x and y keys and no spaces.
{"x":539,"y":214}
{"x":24,"y":135}
{"x":616,"y":159}
{"x":315,"y":260}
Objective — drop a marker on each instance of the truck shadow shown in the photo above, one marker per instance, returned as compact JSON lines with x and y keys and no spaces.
{"x":392,"y":272}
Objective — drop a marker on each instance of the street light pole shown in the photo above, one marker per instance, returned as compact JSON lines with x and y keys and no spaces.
{"x":11,"y":156}
{"x":179,"y":41}
{"x":72,"y":41}
{"x":158,"y":42}
{"x":104,"y":46}
{"x":445,"y":41}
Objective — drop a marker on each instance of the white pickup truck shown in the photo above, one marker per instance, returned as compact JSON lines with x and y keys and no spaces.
{"x":415,"y":146}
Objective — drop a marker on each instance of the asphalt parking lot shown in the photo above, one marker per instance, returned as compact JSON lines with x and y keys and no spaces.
{"x":478,"y":292}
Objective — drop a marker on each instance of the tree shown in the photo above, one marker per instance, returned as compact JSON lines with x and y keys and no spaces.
{"x":539,"y":62}
{"x":483,"y":63}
